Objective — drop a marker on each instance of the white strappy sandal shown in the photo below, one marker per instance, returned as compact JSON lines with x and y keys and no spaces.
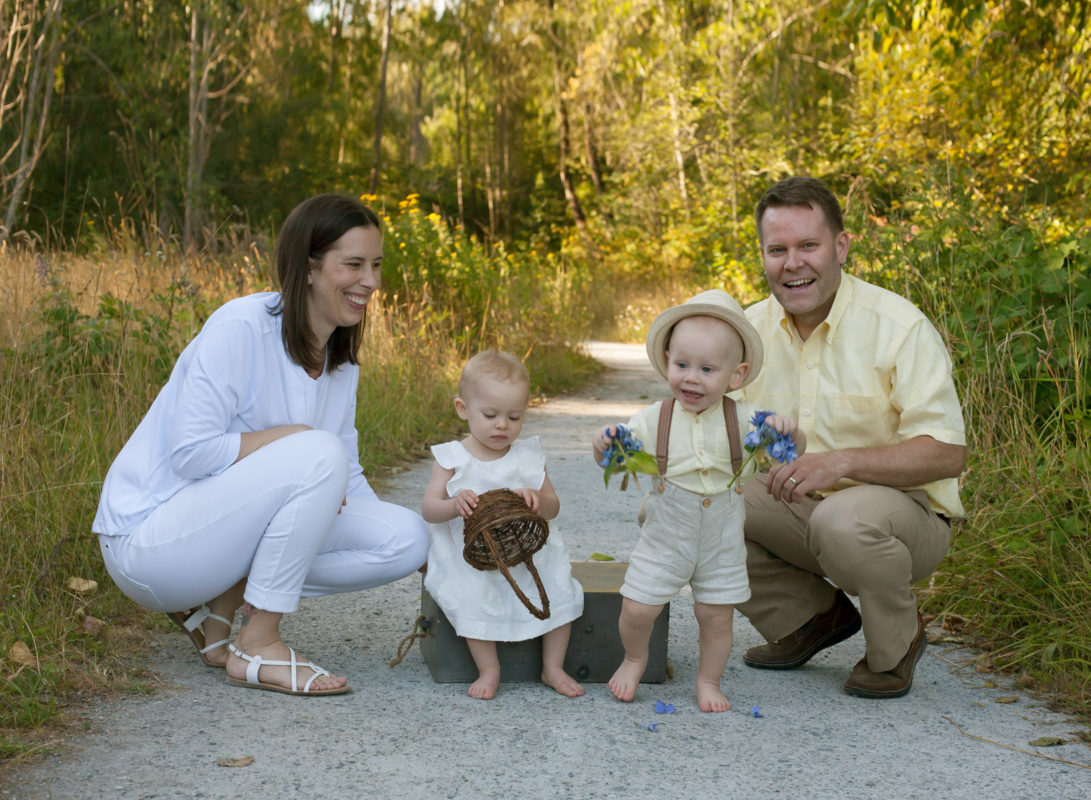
{"x":191,"y":621}
{"x":255,"y":663}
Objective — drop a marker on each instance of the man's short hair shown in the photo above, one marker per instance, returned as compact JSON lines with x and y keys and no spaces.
{"x":496,"y":364}
{"x":800,"y":190}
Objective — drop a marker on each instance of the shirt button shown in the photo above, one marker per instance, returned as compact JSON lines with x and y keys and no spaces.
{"x":704,"y":472}
{"x":706,"y":502}
{"x":697,"y":421}
{"x":810,"y":365}
{"x":806,"y":412}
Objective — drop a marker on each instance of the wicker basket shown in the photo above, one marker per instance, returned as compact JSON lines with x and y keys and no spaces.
{"x":503,"y":532}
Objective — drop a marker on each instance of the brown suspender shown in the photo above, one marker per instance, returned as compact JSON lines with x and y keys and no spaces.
{"x":663,"y":435}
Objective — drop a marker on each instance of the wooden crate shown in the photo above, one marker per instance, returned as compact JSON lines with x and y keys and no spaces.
{"x":594,"y":649}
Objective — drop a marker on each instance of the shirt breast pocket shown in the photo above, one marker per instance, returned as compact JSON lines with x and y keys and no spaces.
{"x":862,"y":421}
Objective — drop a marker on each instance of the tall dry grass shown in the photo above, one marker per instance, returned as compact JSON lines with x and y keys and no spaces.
{"x":86,"y":342}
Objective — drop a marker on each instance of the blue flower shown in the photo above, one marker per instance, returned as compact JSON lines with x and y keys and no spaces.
{"x":778,"y":446}
{"x":664,"y":708}
{"x":755,"y":711}
{"x":759,"y":418}
{"x":625,"y":454}
{"x":653,"y":727}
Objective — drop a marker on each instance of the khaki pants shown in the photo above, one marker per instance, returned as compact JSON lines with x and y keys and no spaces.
{"x":871,"y":541}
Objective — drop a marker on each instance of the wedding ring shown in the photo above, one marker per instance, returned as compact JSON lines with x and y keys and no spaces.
{"x":793,"y":480}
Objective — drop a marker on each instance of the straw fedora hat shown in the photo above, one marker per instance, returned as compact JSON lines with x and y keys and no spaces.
{"x":713,"y":303}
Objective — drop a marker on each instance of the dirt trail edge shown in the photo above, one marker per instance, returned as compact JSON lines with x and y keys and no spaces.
{"x":399,"y":735}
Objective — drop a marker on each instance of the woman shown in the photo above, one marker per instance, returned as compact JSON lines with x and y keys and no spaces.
{"x":242,"y":485}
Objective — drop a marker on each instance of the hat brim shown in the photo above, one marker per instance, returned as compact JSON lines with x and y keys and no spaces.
{"x":753,"y":352}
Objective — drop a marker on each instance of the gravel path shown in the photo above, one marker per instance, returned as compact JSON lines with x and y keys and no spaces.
{"x":400,"y":735}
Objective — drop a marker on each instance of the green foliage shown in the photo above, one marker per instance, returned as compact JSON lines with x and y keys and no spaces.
{"x":1019,"y":284}
{"x":516,"y":300}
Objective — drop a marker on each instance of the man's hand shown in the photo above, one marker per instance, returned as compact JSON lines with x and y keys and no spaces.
{"x":913,"y":462}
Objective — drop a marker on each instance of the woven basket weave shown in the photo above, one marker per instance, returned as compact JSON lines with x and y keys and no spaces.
{"x":503,"y":532}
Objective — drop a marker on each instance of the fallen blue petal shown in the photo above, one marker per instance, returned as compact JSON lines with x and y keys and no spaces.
{"x":755,"y":711}
{"x":653,"y":727}
{"x":663,"y":708}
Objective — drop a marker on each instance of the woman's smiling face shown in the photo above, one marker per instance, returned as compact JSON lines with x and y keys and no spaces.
{"x":342,"y":282}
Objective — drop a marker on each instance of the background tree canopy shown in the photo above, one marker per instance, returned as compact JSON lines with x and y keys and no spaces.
{"x":641,"y":131}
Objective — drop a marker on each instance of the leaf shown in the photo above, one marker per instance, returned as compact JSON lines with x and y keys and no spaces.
{"x":601,"y":557}
{"x":1008,"y":698}
{"x":82,"y":585}
{"x":22,"y":656}
{"x":643,"y":462}
{"x":245,"y":761}
{"x":1046,"y":741}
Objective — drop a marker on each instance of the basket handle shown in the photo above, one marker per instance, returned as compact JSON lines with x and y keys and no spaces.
{"x":503,"y":567}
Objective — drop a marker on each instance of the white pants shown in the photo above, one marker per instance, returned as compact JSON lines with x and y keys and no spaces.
{"x":273,"y":519}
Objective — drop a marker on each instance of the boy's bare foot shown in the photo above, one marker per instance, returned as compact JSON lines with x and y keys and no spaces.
{"x":562,"y":682}
{"x":279,"y":675}
{"x":710,"y":698}
{"x":626,"y":678}
{"x":484,"y":688}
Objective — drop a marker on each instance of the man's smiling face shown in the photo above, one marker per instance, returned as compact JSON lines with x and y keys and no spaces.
{"x":802,"y":258}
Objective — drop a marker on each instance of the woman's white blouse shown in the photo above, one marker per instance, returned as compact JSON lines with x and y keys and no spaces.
{"x":234,"y":377}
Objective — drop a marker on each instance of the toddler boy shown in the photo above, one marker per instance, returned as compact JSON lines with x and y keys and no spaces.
{"x":692,"y":520}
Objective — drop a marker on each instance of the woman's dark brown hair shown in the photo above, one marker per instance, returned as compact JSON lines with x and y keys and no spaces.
{"x":309,"y":231}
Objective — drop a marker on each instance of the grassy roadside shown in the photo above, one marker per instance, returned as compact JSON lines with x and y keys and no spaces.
{"x":85,"y":344}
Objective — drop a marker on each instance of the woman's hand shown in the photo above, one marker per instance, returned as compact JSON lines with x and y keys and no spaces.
{"x":252,"y":441}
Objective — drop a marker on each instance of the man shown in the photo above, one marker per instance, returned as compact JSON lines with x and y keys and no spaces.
{"x":868,"y":510}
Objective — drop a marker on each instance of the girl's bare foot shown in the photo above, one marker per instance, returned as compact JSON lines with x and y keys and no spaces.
{"x":278,"y":675}
{"x":484,"y":688}
{"x":627,"y":677}
{"x":710,"y":698}
{"x":561,"y":681}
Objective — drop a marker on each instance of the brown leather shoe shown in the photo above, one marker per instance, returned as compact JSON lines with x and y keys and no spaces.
{"x":819,"y":632}
{"x":895,"y":683}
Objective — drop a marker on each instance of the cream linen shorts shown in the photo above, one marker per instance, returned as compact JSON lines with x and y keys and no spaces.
{"x":689,"y":538}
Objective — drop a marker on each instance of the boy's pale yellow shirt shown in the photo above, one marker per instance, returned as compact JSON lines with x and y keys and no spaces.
{"x":700,"y":452}
{"x":874,"y":373}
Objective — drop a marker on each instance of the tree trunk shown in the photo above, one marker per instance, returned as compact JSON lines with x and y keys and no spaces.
{"x":563,"y":128}
{"x":198,"y":102}
{"x":377,"y":160}
{"x":33,"y":99}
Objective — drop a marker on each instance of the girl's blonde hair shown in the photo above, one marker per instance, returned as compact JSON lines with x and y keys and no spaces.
{"x":496,"y":364}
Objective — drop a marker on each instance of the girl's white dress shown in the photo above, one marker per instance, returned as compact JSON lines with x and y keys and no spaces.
{"x":482,"y":604}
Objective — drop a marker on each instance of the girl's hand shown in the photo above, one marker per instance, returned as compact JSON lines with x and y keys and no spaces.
{"x":465,"y":502}
{"x":530,"y":496}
